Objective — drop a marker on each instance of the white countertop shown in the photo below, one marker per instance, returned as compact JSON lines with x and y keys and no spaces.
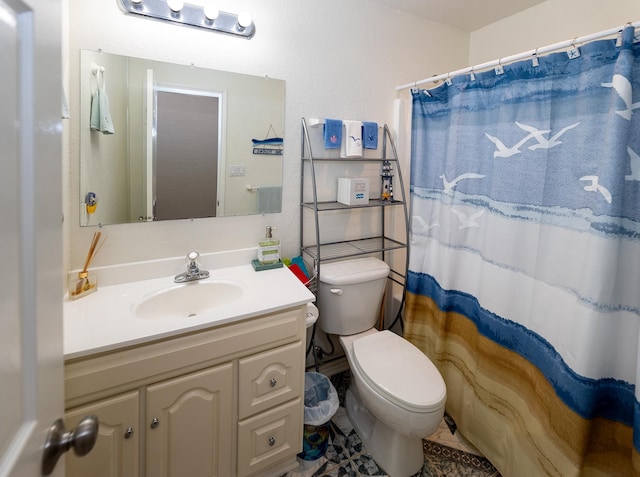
{"x":105,"y":320}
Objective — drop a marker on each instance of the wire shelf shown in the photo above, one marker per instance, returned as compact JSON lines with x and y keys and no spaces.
{"x":322,"y":206}
{"x":351,"y":248}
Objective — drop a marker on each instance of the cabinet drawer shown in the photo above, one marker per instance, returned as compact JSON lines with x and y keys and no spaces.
{"x":270,"y":378}
{"x":270,"y":437}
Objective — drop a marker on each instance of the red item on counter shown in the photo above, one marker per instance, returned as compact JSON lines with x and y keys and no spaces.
{"x":297,"y":271}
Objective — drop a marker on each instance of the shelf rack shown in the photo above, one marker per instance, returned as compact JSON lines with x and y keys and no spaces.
{"x":317,"y":251}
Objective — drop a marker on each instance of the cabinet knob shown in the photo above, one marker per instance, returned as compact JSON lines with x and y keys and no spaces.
{"x":273,"y":382}
{"x":272,"y":441}
{"x":128,"y":433}
{"x":154,"y":423}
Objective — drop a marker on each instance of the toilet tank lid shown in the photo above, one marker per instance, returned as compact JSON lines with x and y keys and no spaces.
{"x":358,"y":270}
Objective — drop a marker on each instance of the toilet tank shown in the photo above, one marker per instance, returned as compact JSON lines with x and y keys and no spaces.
{"x":350,"y":294}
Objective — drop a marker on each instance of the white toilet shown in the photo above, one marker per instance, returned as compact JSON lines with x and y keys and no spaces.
{"x":397,"y":395}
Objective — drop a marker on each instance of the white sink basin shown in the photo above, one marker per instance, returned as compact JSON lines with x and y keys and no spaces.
{"x":189,"y":300}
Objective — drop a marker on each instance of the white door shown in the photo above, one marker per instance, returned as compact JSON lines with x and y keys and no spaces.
{"x":31,"y":367}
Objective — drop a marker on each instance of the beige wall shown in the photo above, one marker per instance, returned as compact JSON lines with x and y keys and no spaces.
{"x":339,"y":59}
{"x":547,"y":23}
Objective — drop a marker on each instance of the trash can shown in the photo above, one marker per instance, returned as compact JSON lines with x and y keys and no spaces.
{"x":320,"y":404}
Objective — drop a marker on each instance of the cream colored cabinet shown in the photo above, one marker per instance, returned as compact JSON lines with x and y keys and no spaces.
{"x":116,"y":451}
{"x":227,"y":401}
{"x":189,"y":424}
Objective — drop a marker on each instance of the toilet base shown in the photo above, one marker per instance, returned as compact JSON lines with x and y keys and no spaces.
{"x":398,"y":455}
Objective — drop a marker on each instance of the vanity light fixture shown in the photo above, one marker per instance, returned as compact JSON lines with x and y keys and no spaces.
{"x":178,"y":11}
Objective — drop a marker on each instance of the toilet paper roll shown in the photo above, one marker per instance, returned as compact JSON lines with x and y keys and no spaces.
{"x":312,"y":314}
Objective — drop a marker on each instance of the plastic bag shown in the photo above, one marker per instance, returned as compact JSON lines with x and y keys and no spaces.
{"x":320,"y":399}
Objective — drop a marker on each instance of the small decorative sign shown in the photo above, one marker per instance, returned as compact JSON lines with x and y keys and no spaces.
{"x":268,"y":151}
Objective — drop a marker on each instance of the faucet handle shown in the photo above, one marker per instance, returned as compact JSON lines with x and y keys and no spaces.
{"x":193,"y":256}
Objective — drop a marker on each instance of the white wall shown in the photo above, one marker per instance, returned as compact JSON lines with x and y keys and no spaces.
{"x":550,"y":22}
{"x":340,"y":59}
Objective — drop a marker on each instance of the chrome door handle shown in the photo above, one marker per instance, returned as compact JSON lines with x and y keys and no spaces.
{"x":154,"y":423}
{"x":58,"y":441}
{"x":273,"y":382}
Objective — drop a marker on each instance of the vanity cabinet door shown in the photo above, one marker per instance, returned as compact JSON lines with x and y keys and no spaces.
{"x":189,"y":424}
{"x":115,"y":453}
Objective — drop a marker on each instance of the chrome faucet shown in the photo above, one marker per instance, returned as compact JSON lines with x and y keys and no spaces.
{"x":193,"y":270}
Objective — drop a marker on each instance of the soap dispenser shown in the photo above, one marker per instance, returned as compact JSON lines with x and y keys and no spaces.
{"x":268,"y":249}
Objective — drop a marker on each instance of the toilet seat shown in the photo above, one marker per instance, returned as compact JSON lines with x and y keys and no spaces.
{"x":399,"y":371}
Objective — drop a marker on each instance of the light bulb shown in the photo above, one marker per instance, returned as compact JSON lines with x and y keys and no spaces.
{"x":175,"y":5}
{"x":244,"y":20}
{"x":211,"y":13}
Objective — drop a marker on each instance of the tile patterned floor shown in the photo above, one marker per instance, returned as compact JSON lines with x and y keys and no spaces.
{"x":445,"y":455}
{"x":445,"y":452}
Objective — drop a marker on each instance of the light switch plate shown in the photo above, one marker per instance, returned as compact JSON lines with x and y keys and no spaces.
{"x":236,"y":170}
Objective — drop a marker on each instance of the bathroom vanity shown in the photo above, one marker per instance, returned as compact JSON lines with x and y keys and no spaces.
{"x":220,"y":397}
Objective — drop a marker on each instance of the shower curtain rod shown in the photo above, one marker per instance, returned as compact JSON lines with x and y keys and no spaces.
{"x":520,"y":56}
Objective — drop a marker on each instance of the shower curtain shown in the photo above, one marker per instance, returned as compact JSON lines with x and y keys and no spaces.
{"x":524,"y":273}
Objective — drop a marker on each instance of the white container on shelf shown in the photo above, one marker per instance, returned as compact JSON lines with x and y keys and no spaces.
{"x":353,"y":191}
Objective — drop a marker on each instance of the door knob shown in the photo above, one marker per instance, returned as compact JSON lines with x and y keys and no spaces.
{"x":59,"y":441}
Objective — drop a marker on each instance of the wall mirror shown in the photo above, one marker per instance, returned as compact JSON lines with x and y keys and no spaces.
{"x":161,"y":141}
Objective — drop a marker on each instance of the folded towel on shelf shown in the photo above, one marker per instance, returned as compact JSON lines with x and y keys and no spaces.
{"x":332,"y":133}
{"x":370,"y":135}
{"x":269,"y":199}
{"x":352,"y":144}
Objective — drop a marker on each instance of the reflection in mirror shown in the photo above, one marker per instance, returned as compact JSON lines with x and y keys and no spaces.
{"x":161,"y":141}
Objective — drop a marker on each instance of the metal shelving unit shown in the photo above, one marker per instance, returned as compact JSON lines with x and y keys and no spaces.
{"x":311,"y":246}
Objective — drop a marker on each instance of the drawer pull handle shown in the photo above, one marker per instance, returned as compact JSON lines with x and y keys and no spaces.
{"x":128,"y":433}
{"x":154,"y":423}
{"x":272,"y":441}
{"x":273,"y":382}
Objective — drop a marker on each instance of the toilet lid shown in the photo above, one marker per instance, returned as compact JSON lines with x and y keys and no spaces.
{"x":399,"y":371}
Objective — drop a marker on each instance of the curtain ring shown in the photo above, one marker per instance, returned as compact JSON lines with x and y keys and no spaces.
{"x":448,"y":79}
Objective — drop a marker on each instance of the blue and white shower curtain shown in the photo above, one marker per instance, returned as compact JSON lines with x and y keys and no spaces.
{"x":524,"y":274}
